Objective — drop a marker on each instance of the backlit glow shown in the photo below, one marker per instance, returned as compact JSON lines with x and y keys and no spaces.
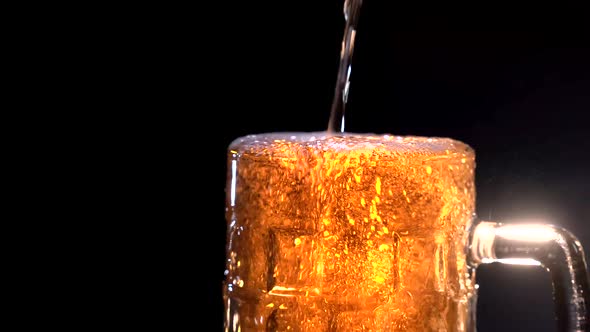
{"x":527,"y":233}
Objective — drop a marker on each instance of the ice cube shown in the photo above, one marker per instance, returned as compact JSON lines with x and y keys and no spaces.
{"x":301,"y":314}
{"x":293,"y":263}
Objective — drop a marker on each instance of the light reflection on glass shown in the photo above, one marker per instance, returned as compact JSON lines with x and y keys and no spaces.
{"x":527,"y":233}
{"x":512,"y":261}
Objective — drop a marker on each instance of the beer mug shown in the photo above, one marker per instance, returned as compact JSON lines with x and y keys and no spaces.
{"x":363,"y":232}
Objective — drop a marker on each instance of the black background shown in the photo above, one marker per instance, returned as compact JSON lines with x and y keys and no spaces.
{"x":514,"y":83}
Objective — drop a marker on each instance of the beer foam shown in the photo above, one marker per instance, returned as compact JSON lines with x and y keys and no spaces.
{"x":280,"y":142}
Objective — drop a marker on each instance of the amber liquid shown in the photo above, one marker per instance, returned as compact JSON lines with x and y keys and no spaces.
{"x":350,"y":233}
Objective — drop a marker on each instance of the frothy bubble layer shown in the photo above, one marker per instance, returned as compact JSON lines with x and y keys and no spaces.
{"x":285,"y":144}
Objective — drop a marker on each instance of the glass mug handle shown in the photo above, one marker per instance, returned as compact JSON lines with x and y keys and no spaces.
{"x":549,"y":246}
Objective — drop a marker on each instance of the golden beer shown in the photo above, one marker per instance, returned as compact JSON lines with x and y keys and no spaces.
{"x":348,"y":233}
